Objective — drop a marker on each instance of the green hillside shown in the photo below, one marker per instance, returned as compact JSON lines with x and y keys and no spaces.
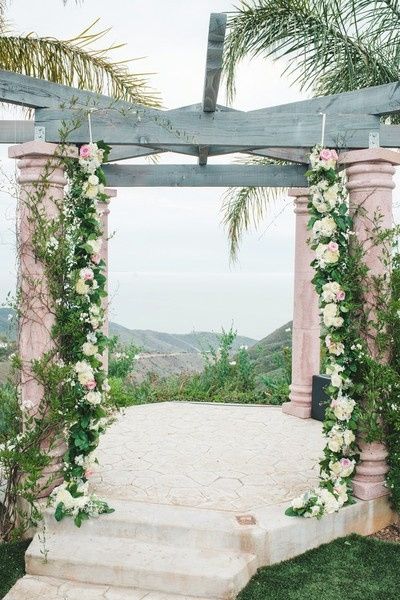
{"x":267,"y":354}
{"x":148,"y":340}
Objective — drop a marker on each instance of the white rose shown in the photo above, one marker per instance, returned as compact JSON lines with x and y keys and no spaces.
{"x":91,"y":191}
{"x":298,"y":502}
{"x":331,"y":505}
{"x":325,"y":227}
{"x":331,"y":257}
{"x":93,"y":180}
{"x":329,"y":312}
{"x":81,"y":288}
{"x":95,"y":245}
{"x":93,"y":397}
{"x":84,"y":377}
{"x":348,"y":437}
{"x":89,"y":349}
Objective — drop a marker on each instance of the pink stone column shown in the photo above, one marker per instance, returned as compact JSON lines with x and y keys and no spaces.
{"x":42,"y":181}
{"x":370,"y":185}
{"x":104,"y":211}
{"x":306,"y":324}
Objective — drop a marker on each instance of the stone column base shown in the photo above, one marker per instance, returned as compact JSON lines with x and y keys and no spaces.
{"x":296,"y":410}
{"x":300,"y":402}
{"x":369,"y":480}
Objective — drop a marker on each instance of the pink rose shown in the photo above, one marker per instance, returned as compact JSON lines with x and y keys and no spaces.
{"x":84,"y":151}
{"x":333,"y":246}
{"x":325,"y":154}
{"x":340,"y":296}
{"x":89,"y":473}
{"x":91,"y":384}
{"x":95,"y":258}
{"x":345,"y":462}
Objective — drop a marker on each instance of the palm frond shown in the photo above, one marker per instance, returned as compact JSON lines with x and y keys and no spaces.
{"x":244,"y":208}
{"x":314,"y":36}
{"x":73,"y":62}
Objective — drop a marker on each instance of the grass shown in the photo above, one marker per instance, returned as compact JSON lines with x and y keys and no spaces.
{"x":12,"y":564}
{"x":352,"y":568}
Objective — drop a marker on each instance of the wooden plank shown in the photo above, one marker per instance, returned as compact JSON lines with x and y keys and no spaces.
{"x":39,"y":93}
{"x":16,"y":132}
{"x":378,"y":100}
{"x":215,"y":50}
{"x":389,"y":136}
{"x":207,"y":176}
{"x":245,"y":130}
{"x":203,"y":154}
{"x":212,"y":78}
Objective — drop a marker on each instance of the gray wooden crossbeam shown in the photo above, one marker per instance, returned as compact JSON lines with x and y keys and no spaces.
{"x":379,"y":100}
{"x":215,"y":50}
{"x":23,"y":90}
{"x":230,"y":129}
{"x":209,"y":176}
{"x":214,"y":62}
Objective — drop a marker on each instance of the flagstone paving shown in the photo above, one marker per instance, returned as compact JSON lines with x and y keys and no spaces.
{"x":225,"y":457}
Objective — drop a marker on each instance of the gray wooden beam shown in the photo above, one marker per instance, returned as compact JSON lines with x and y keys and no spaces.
{"x":378,"y":100}
{"x":39,"y":93}
{"x":231,"y":129}
{"x":215,"y":50}
{"x":206,"y":176}
{"x":16,"y":132}
{"x":212,"y":78}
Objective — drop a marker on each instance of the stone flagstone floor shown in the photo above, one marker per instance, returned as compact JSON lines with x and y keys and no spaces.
{"x":224,"y":457}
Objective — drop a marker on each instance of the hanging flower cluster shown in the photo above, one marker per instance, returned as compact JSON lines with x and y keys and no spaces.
{"x":330,"y":228}
{"x":79,"y":320}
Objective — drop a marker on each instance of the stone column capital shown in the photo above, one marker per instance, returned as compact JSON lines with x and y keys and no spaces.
{"x":369,"y":155}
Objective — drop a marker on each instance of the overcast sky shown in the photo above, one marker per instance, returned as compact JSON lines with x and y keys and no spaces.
{"x":169,"y":262}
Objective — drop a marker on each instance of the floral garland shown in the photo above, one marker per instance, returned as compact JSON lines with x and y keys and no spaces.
{"x":79,"y":320}
{"x":330,"y":226}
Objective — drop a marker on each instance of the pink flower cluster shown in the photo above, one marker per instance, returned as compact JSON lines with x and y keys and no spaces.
{"x":333,"y":246}
{"x":327,"y":154}
{"x":85,"y":151}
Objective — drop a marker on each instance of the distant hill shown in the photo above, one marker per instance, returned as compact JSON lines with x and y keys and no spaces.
{"x":266,"y":354}
{"x":155,"y":341}
{"x":148,"y":340}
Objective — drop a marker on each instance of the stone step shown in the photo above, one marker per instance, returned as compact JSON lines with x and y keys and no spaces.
{"x":33,"y":587}
{"x":125,"y":562}
{"x":164,"y":524}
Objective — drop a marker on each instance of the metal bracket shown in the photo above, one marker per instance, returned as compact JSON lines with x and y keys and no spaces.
{"x":40,"y":133}
{"x":373,"y":139}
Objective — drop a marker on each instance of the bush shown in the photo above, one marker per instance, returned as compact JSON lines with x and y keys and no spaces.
{"x":10,"y":414}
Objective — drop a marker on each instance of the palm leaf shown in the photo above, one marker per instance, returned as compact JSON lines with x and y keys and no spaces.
{"x":73,"y":63}
{"x":244,"y":208}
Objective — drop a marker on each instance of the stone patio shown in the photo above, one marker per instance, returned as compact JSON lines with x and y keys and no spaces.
{"x":226,"y":457}
{"x":199,"y":492}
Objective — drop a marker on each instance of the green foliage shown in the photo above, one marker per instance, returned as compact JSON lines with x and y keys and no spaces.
{"x":10,"y":414}
{"x":350,"y":568}
{"x":327,"y":47}
{"x":228,"y":376}
{"x":77,"y":62}
{"x":122,"y":358}
{"x":12,"y":564}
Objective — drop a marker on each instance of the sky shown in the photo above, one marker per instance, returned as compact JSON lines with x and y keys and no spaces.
{"x":169,"y":260}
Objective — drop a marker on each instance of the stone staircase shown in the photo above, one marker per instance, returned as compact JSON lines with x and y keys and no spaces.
{"x":142,"y":550}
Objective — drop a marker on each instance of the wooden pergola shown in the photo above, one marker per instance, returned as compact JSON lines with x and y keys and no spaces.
{"x":352,"y":123}
{"x":353,"y":120}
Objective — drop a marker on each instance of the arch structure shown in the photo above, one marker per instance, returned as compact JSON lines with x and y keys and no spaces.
{"x":353,"y":125}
